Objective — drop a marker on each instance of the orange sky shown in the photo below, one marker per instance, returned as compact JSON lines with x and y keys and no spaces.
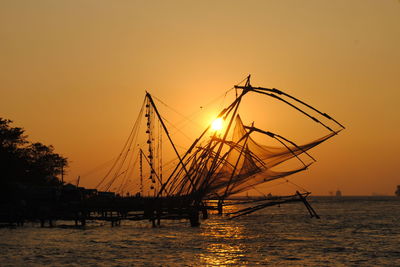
{"x":74,"y":73}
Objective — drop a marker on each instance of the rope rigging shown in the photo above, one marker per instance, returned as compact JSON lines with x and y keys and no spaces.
{"x":128,"y":141}
{"x":222,"y":165}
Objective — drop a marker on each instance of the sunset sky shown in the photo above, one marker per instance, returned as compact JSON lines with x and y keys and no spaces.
{"x":73,"y":74}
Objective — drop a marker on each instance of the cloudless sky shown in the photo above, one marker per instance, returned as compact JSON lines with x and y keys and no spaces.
{"x":73,"y":74}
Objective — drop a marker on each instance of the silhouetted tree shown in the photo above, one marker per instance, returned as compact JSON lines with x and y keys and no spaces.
{"x":26,"y":163}
{"x":43,"y":164}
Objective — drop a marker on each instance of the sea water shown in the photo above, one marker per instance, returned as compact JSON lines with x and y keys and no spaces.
{"x":352,"y":231}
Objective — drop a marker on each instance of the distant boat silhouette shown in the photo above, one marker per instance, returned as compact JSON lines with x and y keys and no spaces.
{"x":338,"y":193}
{"x":398,"y":191}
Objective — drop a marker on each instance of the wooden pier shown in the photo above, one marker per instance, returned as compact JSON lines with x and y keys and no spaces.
{"x":81,"y":205}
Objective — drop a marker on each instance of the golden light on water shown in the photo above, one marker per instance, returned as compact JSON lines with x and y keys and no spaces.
{"x":217,"y":124}
{"x":223,"y":253}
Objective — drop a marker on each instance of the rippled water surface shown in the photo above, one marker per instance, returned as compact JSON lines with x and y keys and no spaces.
{"x":351,"y":232}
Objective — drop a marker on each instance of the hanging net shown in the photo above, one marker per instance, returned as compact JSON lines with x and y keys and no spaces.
{"x":243,"y":164}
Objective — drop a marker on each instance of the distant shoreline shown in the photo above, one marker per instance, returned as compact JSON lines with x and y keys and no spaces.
{"x":320,"y":196}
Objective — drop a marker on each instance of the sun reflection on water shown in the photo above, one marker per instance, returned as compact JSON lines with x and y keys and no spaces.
{"x":224,"y":246}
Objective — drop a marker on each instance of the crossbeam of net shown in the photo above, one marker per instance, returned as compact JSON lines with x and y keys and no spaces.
{"x":279,"y":95}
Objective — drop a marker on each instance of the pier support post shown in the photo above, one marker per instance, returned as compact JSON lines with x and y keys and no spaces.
{"x":194,"y":218}
{"x":204,"y":212}
{"x":220,"y":206}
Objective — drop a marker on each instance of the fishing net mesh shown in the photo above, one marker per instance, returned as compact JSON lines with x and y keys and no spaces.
{"x":249,"y":163}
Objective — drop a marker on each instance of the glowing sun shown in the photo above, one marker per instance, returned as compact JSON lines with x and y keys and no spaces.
{"x":217,"y":124}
